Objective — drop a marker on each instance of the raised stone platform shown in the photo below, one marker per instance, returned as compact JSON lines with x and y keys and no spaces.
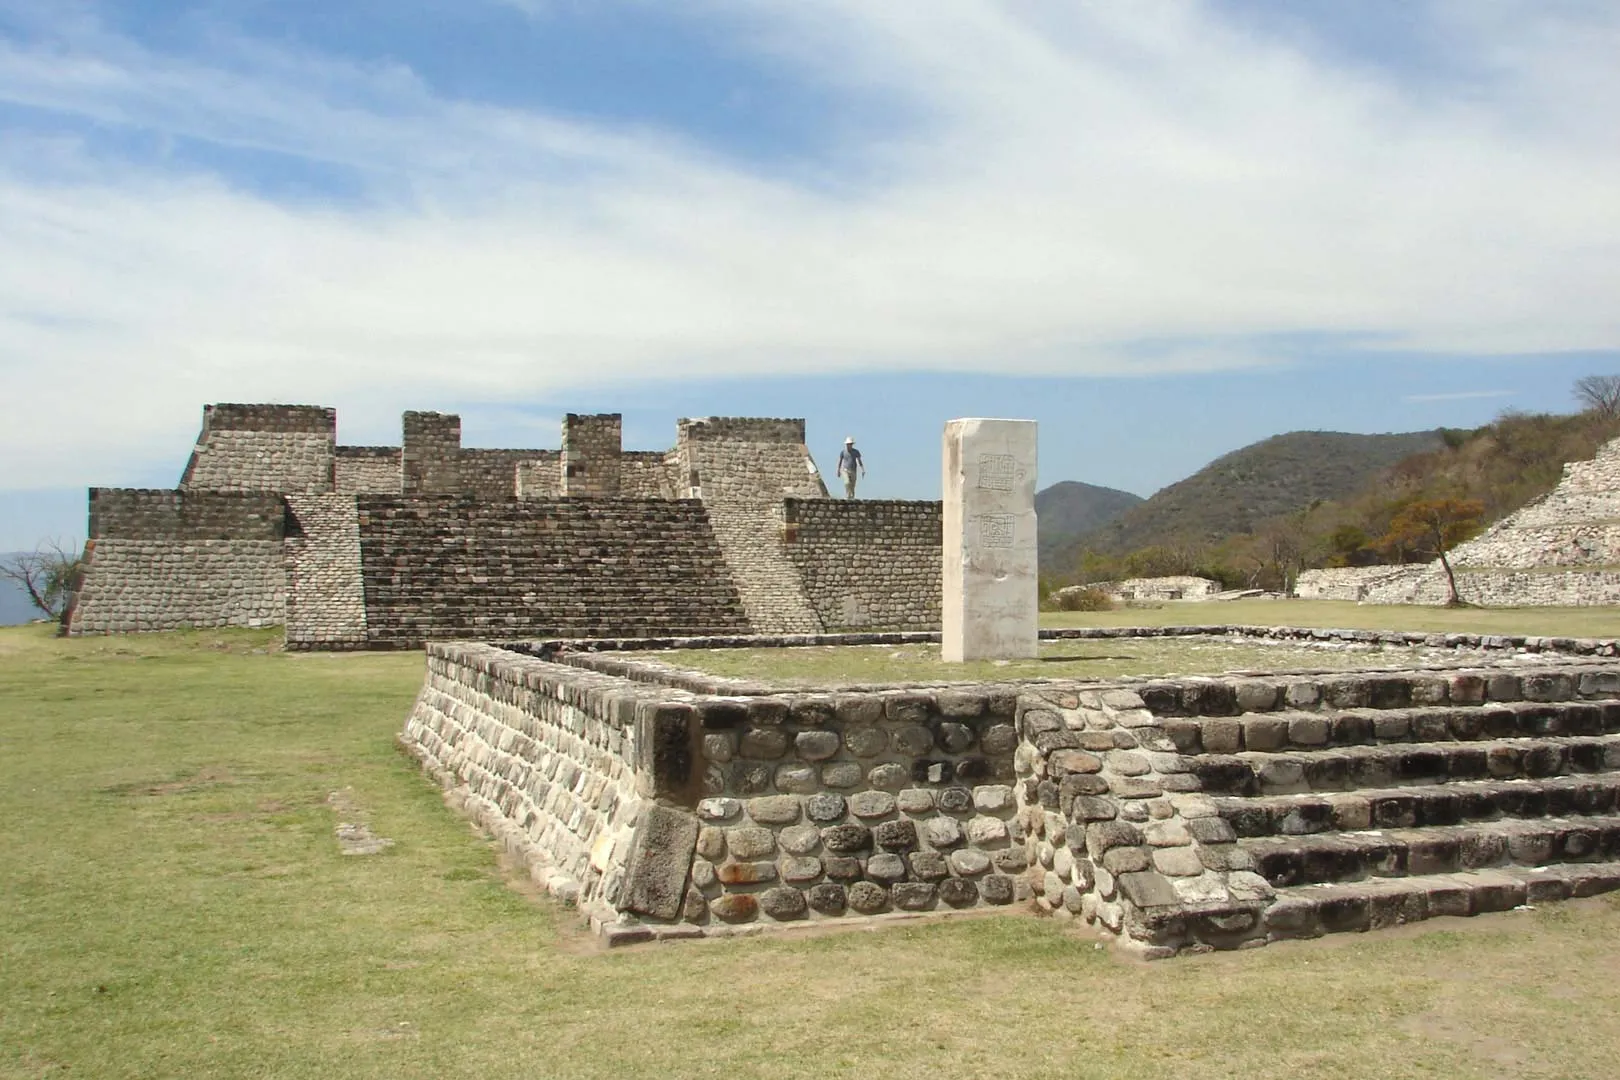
{"x":1177,"y":815}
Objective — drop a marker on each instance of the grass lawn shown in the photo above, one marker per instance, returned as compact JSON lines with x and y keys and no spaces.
{"x":1598,"y":622}
{"x":175,"y":905}
{"x":1114,"y":657}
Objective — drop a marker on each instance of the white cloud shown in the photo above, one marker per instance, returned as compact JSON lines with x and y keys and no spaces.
{"x":1076,"y":180}
{"x":1458,"y":395}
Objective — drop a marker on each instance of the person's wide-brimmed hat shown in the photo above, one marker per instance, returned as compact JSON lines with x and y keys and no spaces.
{"x":849,"y":439}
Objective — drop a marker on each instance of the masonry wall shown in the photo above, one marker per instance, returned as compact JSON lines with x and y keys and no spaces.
{"x":545,"y":760}
{"x":326,"y":603}
{"x":163,"y":560}
{"x":540,"y":477}
{"x":458,"y":566}
{"x":647,"y":475}
{"x":673,"y":814}
{"x":742,"y":469}
{"x":367,"y":470}
{"x":592,"y":447}
{"x":867,"y":563}
{"x":263,"y":448}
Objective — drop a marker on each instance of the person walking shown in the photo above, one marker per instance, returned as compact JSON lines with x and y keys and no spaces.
{"x":848,"y":462}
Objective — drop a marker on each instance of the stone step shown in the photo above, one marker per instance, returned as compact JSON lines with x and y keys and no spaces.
{"x":1307,"y":911}
{"x":1286,"y":861}
{"x":1403,"y":765}
{"x":1302,"y":730}
{"x":1422,"y":805}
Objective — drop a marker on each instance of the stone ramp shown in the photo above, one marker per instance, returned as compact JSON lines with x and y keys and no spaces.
{"x":1224,"y":813}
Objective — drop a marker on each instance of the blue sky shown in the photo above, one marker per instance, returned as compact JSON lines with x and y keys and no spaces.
{"x":1163,"y":228}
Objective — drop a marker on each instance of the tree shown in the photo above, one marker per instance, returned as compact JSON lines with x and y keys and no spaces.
{"x":1599,"y":394}
{"x":1434,"y":527}
{"x":49,"y":574}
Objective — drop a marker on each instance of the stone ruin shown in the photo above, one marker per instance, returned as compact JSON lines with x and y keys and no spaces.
{"x":1176,"y":815}
{"x":1560,"y":550}
{"x":731,"y":531}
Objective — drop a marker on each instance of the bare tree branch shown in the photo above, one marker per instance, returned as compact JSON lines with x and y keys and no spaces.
{"x":49,"y":574}
{"x":1599,"y":394}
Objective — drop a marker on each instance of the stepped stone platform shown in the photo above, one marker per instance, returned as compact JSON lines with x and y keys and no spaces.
{"x":1175,"y":815}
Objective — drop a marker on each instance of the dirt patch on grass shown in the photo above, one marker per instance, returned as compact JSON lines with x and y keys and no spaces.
{"x":201,"y":780}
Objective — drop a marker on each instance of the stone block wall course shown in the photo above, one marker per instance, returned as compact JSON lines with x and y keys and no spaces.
{"x":283,"y":448}
{"x":165,"y":560}
{"x":867,"y":563}
{"x":546,"y":762}
{"x":647,"y":475}
{"x":592,"y":448}
{"x":367,"y":470}
{"x":326,"y":603}
{"x":742,"y":469}
{"x":466,"y":567}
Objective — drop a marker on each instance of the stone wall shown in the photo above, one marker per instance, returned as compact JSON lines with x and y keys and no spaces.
{"x":671,"y":814}
{"x":326,"y":603}
{"x":163,"y":560}
{"x":286,"y":448}
{"x":742,"y":469}
{"x":367,"y":470}
{"x":1352,"y":582}
{"x":430,"y":457}
{"x":546,"y":760}
{"x":1563,"y":549}
{"x":647,"y":475}
{"x":592,"y":447}
{"x":540,"y":477}
{"x":867,"y":563}
{"x":462,"y":567}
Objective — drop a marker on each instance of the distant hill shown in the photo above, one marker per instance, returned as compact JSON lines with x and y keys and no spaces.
{"x":1070,"y":508}
{"x":15,"y":608}
{"x":1279,"y":475}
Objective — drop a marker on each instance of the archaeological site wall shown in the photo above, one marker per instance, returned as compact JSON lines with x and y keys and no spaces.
{"x":162,"y":560}
{"x":458,"y":566}
{"x":1561,"y":550}
{"x":1177,"y":815}
{"x":867,"y":563}
{"x":286,"y":448}
{"x":390,"y":546}
{"x":742,"y":469}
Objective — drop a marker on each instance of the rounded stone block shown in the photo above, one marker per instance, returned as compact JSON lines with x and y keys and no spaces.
{"x":774,"y":810}
{"x":735,"y":908}
{"x":872,"y":804}
{"x":886,"y":867}
{"x":958,"y":892}
{"x":799,"y":839}
{"x":844,"y":839}
{"x":866,"y":742}
{"x":913,"y":895}
{"x":816,"y":745}
{"x":828,"y":898}
{"x":868,"y":897}
{"x":783,"y":903}
{"x":824,"y":807}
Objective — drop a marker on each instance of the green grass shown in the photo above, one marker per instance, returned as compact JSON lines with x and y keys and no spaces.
{"x":1112,"y":658}
{"x":843,"y":665}
{"x":175,"y":906}
{"x":1601,"y":622}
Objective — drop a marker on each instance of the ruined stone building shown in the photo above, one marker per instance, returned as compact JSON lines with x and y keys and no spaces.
{"x":731,"y":531}
{"x":1563,"y":549}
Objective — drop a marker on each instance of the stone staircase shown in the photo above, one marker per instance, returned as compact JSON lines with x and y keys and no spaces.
{"x":1372,"y":801}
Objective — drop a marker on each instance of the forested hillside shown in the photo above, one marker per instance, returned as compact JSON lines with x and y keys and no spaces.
{"x":1256,"y":517}
{"x":1071,"y":508}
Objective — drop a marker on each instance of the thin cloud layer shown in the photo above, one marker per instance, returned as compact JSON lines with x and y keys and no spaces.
{"x":1088,"y":189}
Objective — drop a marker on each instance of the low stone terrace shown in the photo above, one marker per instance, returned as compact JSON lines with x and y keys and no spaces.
{"x":1175,"y":814}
